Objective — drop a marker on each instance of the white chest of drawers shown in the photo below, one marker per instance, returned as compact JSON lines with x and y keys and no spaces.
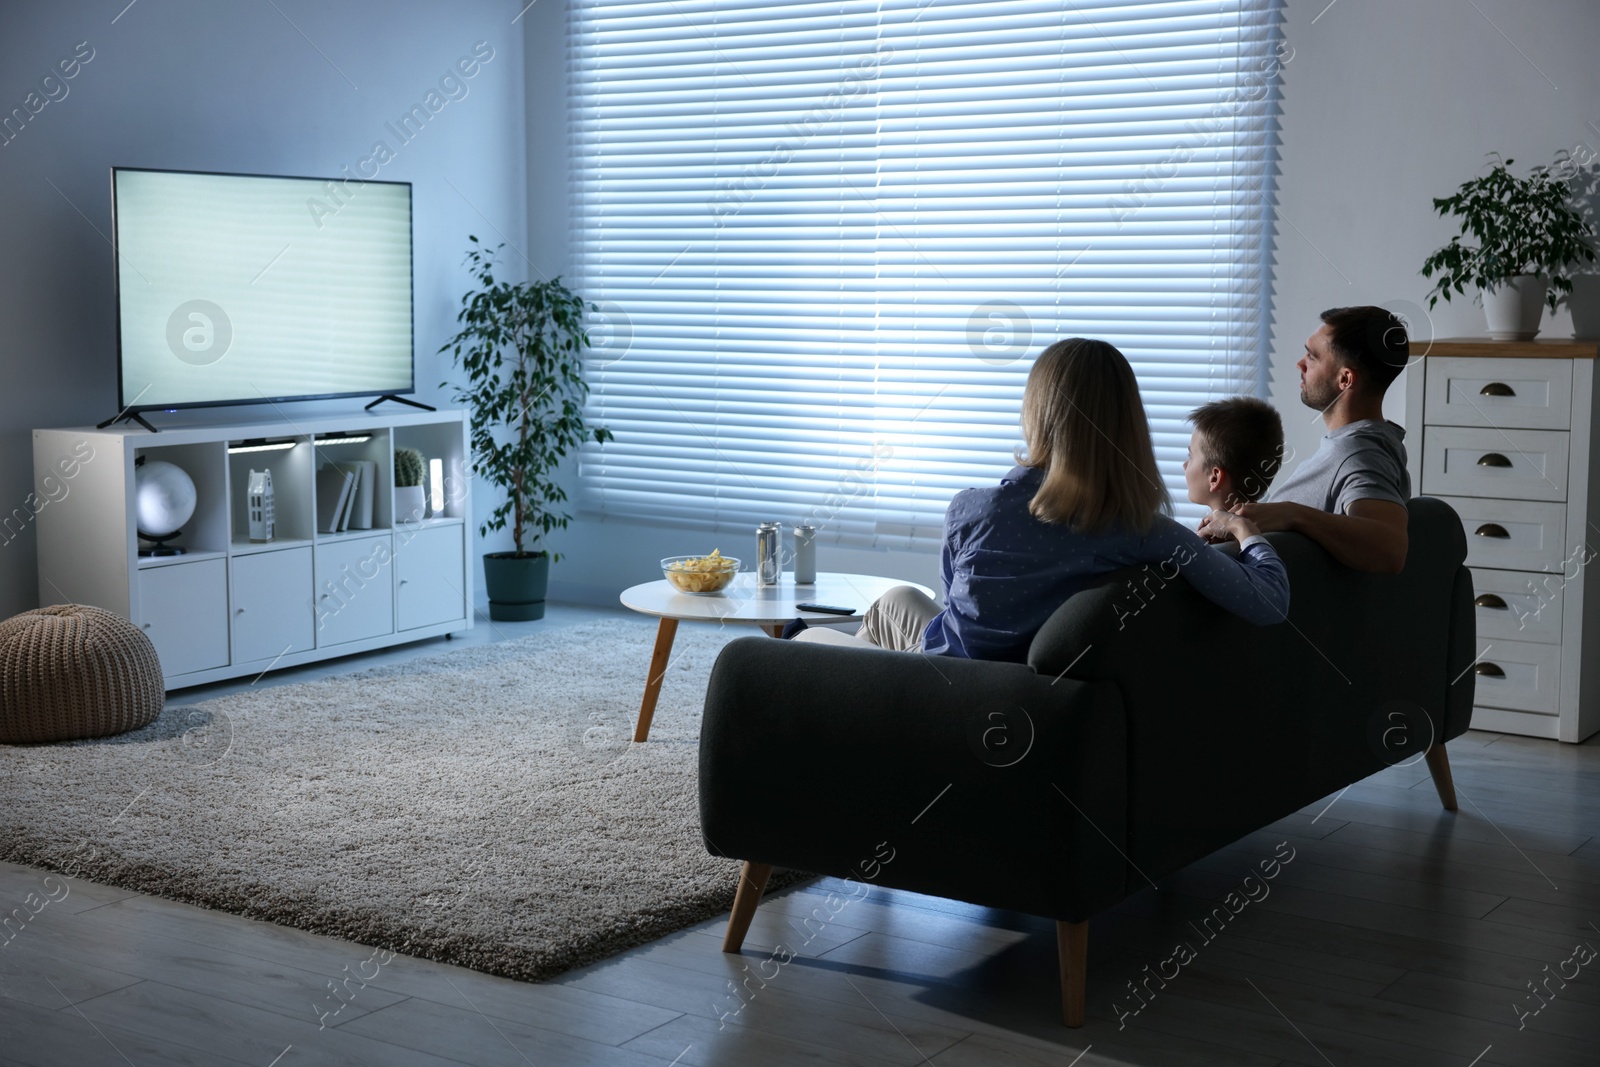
{"x":1504,"y":433}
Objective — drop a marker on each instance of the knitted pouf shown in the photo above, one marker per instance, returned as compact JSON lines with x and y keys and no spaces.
{"x":75,"y":671}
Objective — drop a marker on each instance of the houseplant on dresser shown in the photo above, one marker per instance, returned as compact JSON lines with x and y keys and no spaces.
{"x":521,"y":346}
{"x":1528,"y":236}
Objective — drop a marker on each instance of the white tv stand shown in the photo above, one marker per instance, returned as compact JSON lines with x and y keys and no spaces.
{"x":229,"y":607}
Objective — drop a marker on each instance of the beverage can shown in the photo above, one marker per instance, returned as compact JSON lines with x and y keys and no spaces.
{"x":805,"y":555}
{"x":768,"y":566}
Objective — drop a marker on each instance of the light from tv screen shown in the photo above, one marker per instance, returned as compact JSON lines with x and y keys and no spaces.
{"x":239,"y":289}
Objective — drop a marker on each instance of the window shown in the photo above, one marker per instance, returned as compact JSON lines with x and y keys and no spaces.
{"x":827,"y":239}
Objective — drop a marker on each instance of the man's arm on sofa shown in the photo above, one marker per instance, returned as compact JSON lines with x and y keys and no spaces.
{"x":1370,"y":536}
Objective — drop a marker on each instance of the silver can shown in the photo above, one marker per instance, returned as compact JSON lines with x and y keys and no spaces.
{"x":805,"y":555}
{"x":768,"y":565}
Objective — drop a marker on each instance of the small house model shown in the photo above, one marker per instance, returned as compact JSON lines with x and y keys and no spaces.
{"x":262,"y":526}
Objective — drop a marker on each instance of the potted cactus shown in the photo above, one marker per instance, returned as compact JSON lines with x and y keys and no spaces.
{"x":409,"y":502}
{"x":521,"y":345}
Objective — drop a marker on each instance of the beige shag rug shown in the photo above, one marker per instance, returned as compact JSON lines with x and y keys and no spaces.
{"x":484,"y":807}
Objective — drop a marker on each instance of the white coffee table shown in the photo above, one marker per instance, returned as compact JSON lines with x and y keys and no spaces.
{"x":770,"y":607}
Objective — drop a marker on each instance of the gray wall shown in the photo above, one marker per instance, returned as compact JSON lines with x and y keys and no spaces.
{"x":1385,"y":105}
{"x":190,"y":84}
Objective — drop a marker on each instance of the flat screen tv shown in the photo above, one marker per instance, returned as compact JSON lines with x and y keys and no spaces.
{"x":249,"y":288}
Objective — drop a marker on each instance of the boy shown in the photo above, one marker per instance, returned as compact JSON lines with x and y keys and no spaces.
{"x":1236,"y":448}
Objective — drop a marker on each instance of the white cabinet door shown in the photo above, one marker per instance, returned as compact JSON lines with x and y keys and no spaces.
{"x":183,"y":607}
{"x":1512,"y":535}
{"x":1505,"y":464}
{"x":1519,"y":675}
{"x":355,"y":589}
{"x":1519,"y":605}
{"x":272,"y":605}
{"x":1529,"y":394}
{"x":429,"y":579}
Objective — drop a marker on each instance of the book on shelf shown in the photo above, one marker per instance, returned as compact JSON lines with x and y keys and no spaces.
{"x":354,"y":471}
{"x":366,"y":481}
{"x":333,"y":494}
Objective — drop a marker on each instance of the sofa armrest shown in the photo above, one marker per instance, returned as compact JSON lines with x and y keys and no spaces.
{"x":981,"y":781}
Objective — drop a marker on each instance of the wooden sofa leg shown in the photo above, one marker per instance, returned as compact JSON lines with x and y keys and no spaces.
{"x":752,"y":883}
{"x":1439,"y":767}
{"x":1072,"y":942}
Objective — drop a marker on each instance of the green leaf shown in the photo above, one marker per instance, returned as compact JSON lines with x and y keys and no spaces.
{"x":1522,"y":226}
{"x":521,"y":346}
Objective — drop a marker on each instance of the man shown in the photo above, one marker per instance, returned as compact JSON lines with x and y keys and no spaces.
{"x":1350,"y":496}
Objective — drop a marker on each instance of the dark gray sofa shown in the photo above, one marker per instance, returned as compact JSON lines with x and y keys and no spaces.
{"x":1148,"y":729}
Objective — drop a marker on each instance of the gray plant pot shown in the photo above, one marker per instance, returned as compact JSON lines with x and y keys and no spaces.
{"x":516,"y":585}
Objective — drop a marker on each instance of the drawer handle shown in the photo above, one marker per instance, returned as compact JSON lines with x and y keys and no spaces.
{"x":1497,"y":389}
{"x":1488,"y":670}
{"x":1491,"y":529}
{"x":1489,"y":600}
{"x":1493,"y":459}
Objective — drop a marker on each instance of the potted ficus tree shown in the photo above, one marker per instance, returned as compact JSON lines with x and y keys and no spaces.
{"x":521,"y":346}
{"x":1528,"y":235}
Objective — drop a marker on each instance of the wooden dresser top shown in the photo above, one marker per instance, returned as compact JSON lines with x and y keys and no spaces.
{"x":1539,"y":348}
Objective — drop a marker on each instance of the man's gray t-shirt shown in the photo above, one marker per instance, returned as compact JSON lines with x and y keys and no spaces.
{"x":1365,"y":460}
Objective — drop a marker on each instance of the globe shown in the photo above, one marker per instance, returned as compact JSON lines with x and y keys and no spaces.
{"x":163,"y":499}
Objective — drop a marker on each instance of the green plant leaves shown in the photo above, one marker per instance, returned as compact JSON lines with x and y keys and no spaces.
{"x":407,"y":467}
{"x":1522,"y":226}
{"x":521,"y":345}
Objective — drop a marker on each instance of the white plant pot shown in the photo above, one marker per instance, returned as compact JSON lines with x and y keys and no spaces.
{"x":409,"y":503}
{"x":1584,"y":303}
{"x":1515,"y":306}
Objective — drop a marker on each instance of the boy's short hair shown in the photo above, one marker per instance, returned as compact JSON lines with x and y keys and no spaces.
{"x":1244,"y":436}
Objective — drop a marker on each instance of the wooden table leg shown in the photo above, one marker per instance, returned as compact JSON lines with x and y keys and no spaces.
{"x":774,"y":628}
{"x":652,"y":683}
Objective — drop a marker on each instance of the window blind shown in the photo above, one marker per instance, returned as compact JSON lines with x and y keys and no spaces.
{"x":828,"y":238}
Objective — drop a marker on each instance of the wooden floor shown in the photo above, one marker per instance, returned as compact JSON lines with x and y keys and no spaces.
{"x":1398,"y":934}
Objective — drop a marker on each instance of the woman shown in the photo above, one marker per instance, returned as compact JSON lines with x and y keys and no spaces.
{"x":1085,"y":500}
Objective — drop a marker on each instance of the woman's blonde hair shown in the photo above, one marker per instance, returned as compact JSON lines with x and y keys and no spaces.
{"x":1084,"y":424}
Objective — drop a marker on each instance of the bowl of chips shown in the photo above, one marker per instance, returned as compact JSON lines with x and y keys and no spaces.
{"x":700,"y":574}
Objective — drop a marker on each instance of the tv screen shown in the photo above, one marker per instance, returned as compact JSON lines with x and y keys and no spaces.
{"x":242,"y":288}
